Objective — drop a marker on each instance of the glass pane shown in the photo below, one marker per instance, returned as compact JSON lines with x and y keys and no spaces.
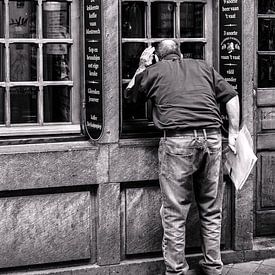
{"x":266,"y":6}
{"x":266,"y":69}
{"x":22,"y":19}
{"x":57,"y":104}
{"x":56,"y":62}
{"x":130,"y":58}
{"x":133,"y":111}
{"x":2,"y":100}
{"x":191,"y":20}
{"x":56,"y":22}
{"x":2,"y":13}
{"x":133,"y":22}
{"x":2,"y":62}
{"x":162,"y":19}
{"x":23,"y":62}
{"x":266,"y":34}
{"x":192,"y":50}
{"x":23,"y":104}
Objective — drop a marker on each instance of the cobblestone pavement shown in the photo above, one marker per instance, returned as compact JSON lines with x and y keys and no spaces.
{"x":263,"y":267}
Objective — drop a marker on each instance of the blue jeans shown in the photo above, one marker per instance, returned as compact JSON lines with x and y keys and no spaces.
{"x":191,"y":163}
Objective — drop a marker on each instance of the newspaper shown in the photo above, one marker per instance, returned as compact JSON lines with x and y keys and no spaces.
{"x":240,"y":165}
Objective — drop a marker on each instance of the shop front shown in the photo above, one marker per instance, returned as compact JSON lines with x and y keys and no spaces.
{"x":79,"y":188}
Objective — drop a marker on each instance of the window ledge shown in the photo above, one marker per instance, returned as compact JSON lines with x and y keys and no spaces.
{"x":39,"y":130}
{"x":46,"y":147}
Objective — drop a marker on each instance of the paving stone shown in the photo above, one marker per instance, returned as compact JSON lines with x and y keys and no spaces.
{"x":269,"y":262}
{"x":265,"y":269}
{"x":247,"y":267}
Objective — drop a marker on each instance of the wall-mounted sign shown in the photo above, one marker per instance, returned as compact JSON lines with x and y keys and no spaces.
{"x":93,"y":68}
{"x":231,"y":42}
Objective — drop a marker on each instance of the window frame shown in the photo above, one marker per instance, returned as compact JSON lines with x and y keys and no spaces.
{"x":41,"y":127}
{"x":143,"y":127}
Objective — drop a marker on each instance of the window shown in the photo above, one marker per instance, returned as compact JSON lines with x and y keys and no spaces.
{"x":39,"y":86}
{"x":266,"y":44}
{"x":145,"y":23}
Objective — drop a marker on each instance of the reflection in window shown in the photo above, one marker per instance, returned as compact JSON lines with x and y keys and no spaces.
{"x":23,"y":104}
{"x":2,"y":73}
{"x":23,"y":62}
{"x":57,"y":104}
{"x":2,"y":8}
{"x":266,"y":6}
{"x":192,"y":50}
{"x":2,"y":106}
{"x":162,"y":20}
{"x":130,"y":58}
{"x":22,"y":19}
{"x":191,"y":20}
{"x":56,"y":20}
{"x":133,"y":110}
{"x":133,"y":22}
{"x":266,"y":71}
{"x":56,"y":62}
{"x":266,"y":34}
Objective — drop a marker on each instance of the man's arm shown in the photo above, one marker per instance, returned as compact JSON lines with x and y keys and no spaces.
{"x":146,"y":59}
{"x":233,"y":112}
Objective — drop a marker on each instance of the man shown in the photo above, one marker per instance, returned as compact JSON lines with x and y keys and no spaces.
{"x":185,"y":94}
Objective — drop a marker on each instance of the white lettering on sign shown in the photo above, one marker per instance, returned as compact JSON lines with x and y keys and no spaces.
{"x":92,"y":15}
{"x":93,"y":57}
{"x":94,"y":125}
{"x":89,"y":31}
{"x":92,"y":7}
{"x":93,"y":91}
{"x":93,"y":99}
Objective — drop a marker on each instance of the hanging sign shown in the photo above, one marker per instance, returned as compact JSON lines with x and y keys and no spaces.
{"x":93,"y":69}
{"x":231,"y":42}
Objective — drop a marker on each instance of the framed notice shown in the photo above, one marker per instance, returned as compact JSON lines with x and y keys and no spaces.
{"x":93,"y":68}
{"x":231,"y":42}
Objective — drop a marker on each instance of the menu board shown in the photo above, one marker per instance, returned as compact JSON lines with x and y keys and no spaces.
{"x":93,"y":68}
{"x":231,"y":42}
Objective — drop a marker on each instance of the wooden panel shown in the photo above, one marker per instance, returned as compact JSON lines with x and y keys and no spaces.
{"x":267,"y":119}
{"x":143,"y":223}
{"x":108,"y":224}
{"x":266,"y":141}
{"x":265,"y":97}
{"x":266,"y":184}
{"x":265,"y":223}
{"x":44,"y":229}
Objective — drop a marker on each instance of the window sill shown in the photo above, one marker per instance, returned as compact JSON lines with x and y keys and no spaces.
{"x":39,"y":130}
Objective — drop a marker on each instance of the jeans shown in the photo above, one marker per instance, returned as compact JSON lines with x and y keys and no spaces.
{"x":191,"y":164}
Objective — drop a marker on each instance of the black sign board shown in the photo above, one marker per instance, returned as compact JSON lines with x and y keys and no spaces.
{"x":93,"y":68}
{"x":231,"y":42}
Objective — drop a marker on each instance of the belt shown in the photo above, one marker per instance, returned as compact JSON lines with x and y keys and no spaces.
{"x":193,"y":132}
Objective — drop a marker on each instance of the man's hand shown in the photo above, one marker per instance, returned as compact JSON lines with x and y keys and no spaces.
{"x":232,"y":141}
{"x":146,"y":58}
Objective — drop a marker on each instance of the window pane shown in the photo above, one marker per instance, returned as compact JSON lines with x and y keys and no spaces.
{"x":266,"y":75}
{"x":57,"y":101}
{"x":2,"y":13}
{"x":133,"y":111}
{"x":133,"y":22}
{"x":266,"y":34}
{"x":2,"y":62}
{"x":22,"y":19}
{"x":23,"y":60}
{"x":23,"y":104}
{"x":130,"y":58}
{"x":162,"y":20}
{"x":2,"y":98}
{"x":192,"y":50}
{"x":191,"y":20}
{"x":266,"y":6}
{"x":56,"y":62}
{"x":56,"y":20}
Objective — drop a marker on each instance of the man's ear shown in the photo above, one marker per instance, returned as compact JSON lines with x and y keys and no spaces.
{"x":156,"y":58}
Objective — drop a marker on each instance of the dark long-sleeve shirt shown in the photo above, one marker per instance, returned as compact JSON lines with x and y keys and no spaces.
{"x":184,"y":93}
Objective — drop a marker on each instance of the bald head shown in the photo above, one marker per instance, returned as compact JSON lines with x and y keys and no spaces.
{"x":168,"y":46}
